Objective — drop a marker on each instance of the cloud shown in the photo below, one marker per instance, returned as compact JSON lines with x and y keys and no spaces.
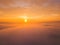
{"x":13,"y":3}
{"x":32,"y":7}
{"x":4,"y":27}
{"x":20,"y":4}
{"x":28,"y":3}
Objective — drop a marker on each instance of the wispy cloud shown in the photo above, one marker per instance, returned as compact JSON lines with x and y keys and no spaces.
{"x":19,"y":3}
{"x":41,"y":7}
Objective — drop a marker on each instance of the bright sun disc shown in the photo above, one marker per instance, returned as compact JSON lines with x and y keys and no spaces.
{"x":25,"y":20}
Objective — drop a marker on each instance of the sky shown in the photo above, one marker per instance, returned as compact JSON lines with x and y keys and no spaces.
{"x":31,"y":8}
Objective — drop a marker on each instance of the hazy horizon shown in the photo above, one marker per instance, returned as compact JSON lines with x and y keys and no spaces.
{"x":29,"y":22}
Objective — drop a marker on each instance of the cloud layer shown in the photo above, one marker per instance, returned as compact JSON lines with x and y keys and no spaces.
{"x":39,"y":7}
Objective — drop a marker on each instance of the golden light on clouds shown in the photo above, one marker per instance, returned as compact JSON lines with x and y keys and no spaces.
{"x":25,"y":19}
{"x":30,"y":9}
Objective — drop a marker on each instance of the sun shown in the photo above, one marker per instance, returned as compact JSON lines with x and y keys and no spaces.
{"x":25,"y":18}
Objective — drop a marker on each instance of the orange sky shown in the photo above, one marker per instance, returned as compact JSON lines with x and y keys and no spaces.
{"x":42,"y":10}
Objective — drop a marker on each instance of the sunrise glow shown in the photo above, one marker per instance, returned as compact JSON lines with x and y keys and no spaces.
{"x":25,"y":20}
{"x":29,"y":22}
